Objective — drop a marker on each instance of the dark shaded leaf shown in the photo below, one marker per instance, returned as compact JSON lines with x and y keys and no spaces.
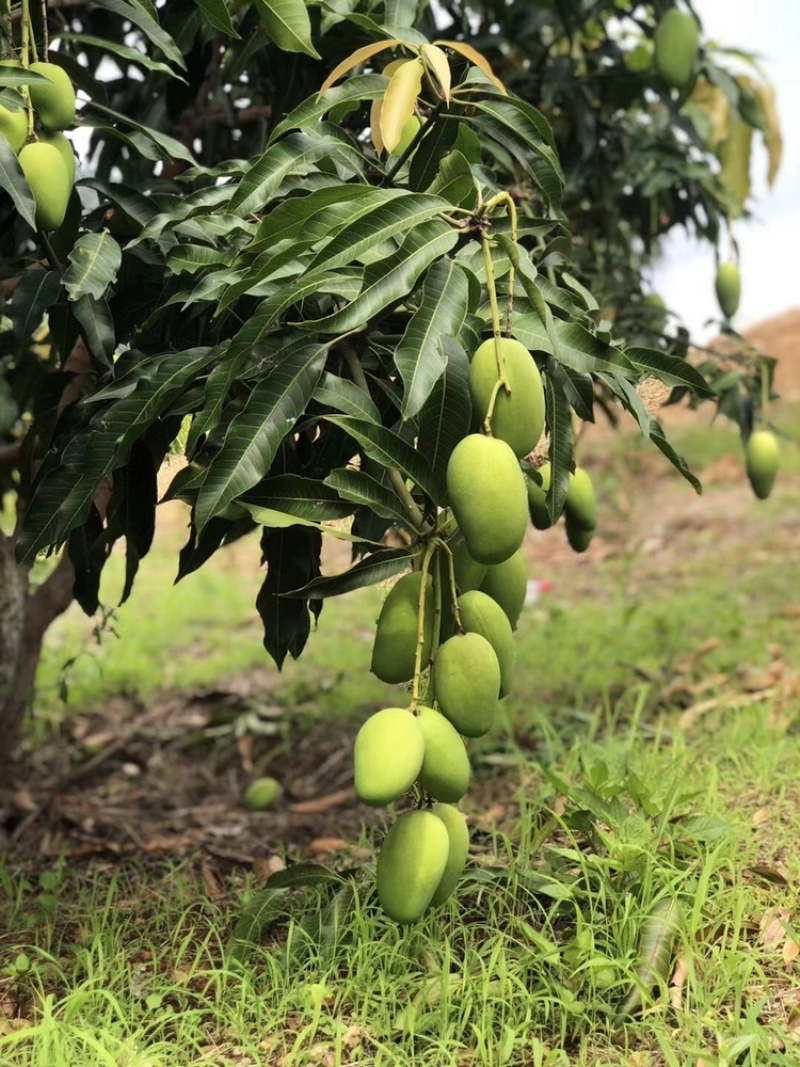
{"x":377,"y":567}
{"x":292,"y":558}
{"x":447,"y":414}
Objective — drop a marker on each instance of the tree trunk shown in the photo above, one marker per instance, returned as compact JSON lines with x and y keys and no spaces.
{"x":25,"y":615}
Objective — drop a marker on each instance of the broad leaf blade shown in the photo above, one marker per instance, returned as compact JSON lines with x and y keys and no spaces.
{"x":559,"y":425}
{"x":363,"y":489}
{"x":377,"y":567}
{"x":13,"y":181}
{"x":94,"y":262}
{"x":288,"y":24}
{"x":447,"y":414}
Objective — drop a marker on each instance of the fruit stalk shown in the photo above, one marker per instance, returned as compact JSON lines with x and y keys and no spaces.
{"x":507,"y":199}
{"x":453,"y":587}
{"x":394,"y":475}
{"x":764,"y":391}
{"x":502,"y":378}
{"x":25,"y":53}
{"x":426,"y":564}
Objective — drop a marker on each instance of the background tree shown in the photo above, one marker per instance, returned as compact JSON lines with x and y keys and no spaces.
{"x":246,"y":274}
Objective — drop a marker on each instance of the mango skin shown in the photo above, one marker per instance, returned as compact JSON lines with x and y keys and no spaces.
{"x":49,"y":182}
{"x":581,"y":505}
{"x":762,"y":458}
{"x":482,"y":615}
{"x":387,"y":755}
{"x":488,"y":498}
{"x":537,"y":485}
{"x":728,"y":287}
{"x":676,"y":42}
{"x":507,"y":585}
{"x":395,"y":647}
{"x":468,"y":572}
{"x":54,"y":103}
{"x":518,"y":416}
{"x":466,"y":680}
{"x":411,"y":864}
{"x":14,"y":126}
{"x":62,"y":143}
{"x":458,"y":835}
{"x":445,"y":770}
{"x":261,"y":793}
{"x":579,"y":537}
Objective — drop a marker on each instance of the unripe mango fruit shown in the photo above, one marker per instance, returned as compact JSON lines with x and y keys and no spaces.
{"x":468,"y":572}
{"x":518,"y":415}
{"x":538,"y":484}
{"x":466,"y":680}
{"x":676,"y":42}
{"x":580,"y":505}
{"x":261,"y":793}
{"x":579,"y":537}
{"x":14,"y":126}
{"x":487,"y":495}
{"x":507,"y":585}
{"x":49,"y":182}
{"x":481,"y":615}
{"x":728,"y":286}
{"x":54,"y":103}
{"x":387,"y":755}
{"x":62,"y":143}
{"x":411,"y":864}
{"x":395,"y":647}
{"x":762,"y":457}
{"x":458,"y":834}
{"x":445,"y":770}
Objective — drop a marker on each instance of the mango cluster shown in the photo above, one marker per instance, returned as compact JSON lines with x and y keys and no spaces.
{"x":48,"y":161}
{"x":580,"y":507}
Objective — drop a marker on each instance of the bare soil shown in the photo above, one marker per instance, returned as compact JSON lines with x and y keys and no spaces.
{"x":166,"y":780}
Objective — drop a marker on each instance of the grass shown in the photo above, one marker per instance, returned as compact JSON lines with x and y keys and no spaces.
{"x":630,"y":769}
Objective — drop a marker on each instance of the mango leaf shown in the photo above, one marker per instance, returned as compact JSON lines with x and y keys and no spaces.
{"x":141,"y":15}
{"x":92,"y":112}
{"x":399,"y":102}
{"x":290,"y":218}
{"x":454,"y":181}
{"x":13,"y":181}
{"x":345,"y":396}
{"x":447,"y":414}
{"x":669,"y":369}
{"x":363,"y":489}
{"x":435,"y":59}
{"x":470,"y":53}
{"x":304,"y":498}
{"x":390,"y":450}
{"x":217,"y":15}
{"x":577,"y":388}
{"x":292,"y":558}
{"x":581,"y":350}
{"x":131,"y":55}
{"x":517,"y":128}
{"x":18,"y":76}
{"x":253,"y":437}
{"x":420,"y":356}
{"x":36,"y":291}
{"x":377,"y":567}
{"x":97,"y":325}
{"x":390,"y":280}
{"x":400,"y":12}
{"x":559,"y":426}
{"x":360,"y":87}
{"x":94,"y":261}
{"x":361,"y":55}
{"x":288,"y":24}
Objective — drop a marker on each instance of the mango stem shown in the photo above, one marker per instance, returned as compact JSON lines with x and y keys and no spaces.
{"x":423,"y":590}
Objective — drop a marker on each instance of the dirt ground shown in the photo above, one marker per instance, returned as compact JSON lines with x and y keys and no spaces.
{"x":136,"y":782}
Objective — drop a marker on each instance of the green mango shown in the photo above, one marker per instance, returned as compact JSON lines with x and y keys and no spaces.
{"x":458,"y":835}
{"x":762,"y":456}
{"x":468,"y":573}
{"x":49,"y":182}
{"x":537,"y":485}
{"x":676,"y":43}
{"x":518,"y":415}
{"x":581,"y":506}
{"x":14,"y":126}
{"x":487,"y":495}
{"x":579,"y":537}
{"x":261,"y":793}
{"x":482,"y":615}
{"x":466,"y":681}
{"x":411,"y":864}
{"x":395,"y":647}
{"x":387,"y":755}
{"x":63,"y":239}
{"x":507,"y":584}
{"x":61,"y":142}
{"x":54,"y":103}
{"x":728,"y":286}
{"x":445,"y":768}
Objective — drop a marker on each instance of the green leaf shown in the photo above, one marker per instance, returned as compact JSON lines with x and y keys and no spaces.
{"x":447,"y":414}
{"x":585,"y":353}
{"x":455,"y":181}
{"x":420,"y":356}
{"x":400,"y":12}
{"x":345,"y":396}
{"x":132,"y":55}
{"x":14,"y":76}
{"x":525,"y":132}
{"x":288,"y":24}
{"x":361,"y":87}
{"x":304,"y":498}
{"x":253,"y":437}
{"x":390,"y":450}
{"x":97,"y":325}
{"x":669,"y":369}
{"x":290,"y":218}
{"x":439,"y":136}
{"x":392,"y":279}
{"x":399,"y":212}
{"x":143,"y":17}
{"x":36,"y":291}
{"x":377,"y":567}
{"x":166,"y":145}
{"x":94,"y":261}
{"x":216,"y":13}
{"x":559,"y":425}
{"x":363,"y":489}
{"x":13,"y":181}
{"x":190,"y":258}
